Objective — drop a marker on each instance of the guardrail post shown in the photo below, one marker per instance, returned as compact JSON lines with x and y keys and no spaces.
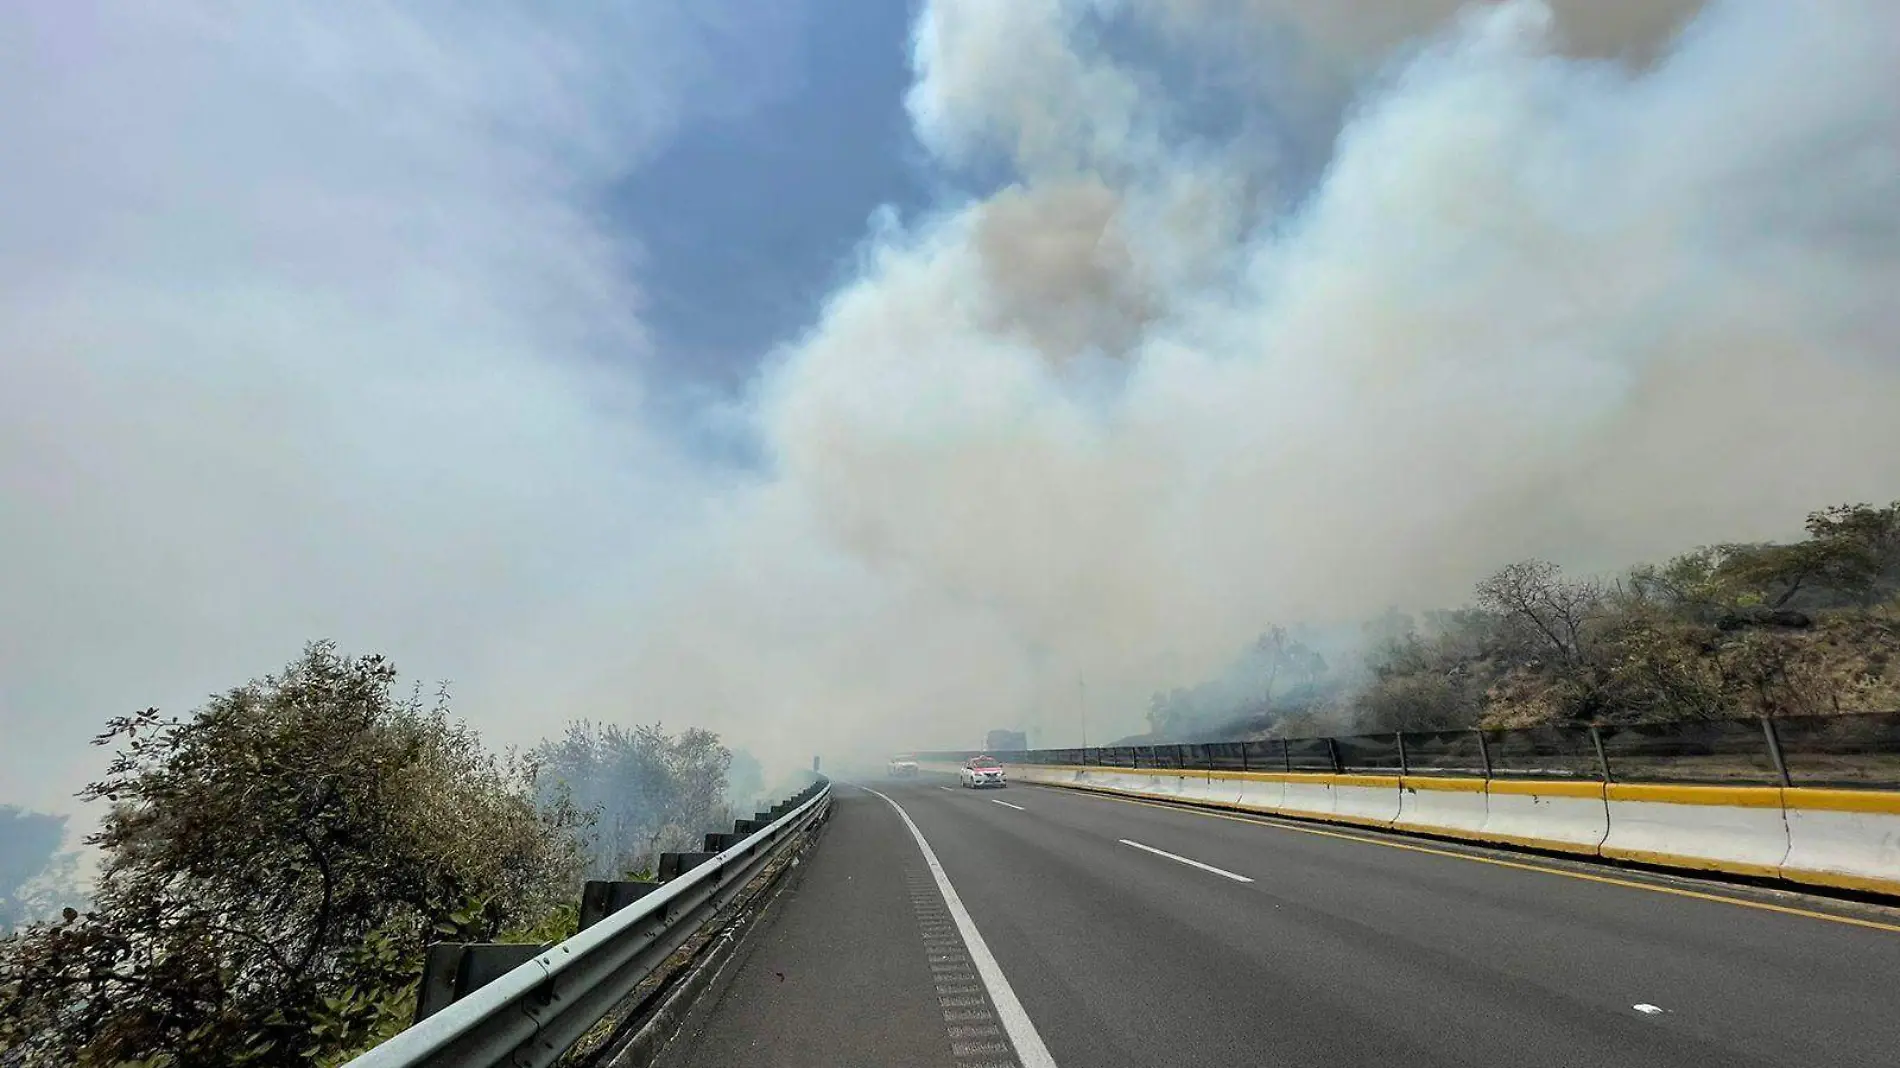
{"x":1399,"y":738}
{"x":1774,"y":750}
{"x":1243,"y":756}
{"x":1603,"y":760}
{"x":674,"y":865}
{"x":601,"y":898}
{"x":1484,"y":753}
{"x":454,"y":970}
{"x":437,"y":988}
{"x":1332,"y":753}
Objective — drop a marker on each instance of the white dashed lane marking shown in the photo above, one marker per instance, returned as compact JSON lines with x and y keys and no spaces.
{"x":1006,"y":804}
{"x":982,"y":1017}
{"x":1222,"y":872}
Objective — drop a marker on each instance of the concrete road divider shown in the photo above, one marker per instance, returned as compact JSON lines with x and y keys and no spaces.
{"x":1734,"y":829}
{"x":1566,"y":816}
{"x":1198,"y":786}
{"x":1260,"y":793}
{"x":1307,"y":795}
{"x":1367,"y":800}
{"x":1431,"y":805}
{"x":1848,"y":839}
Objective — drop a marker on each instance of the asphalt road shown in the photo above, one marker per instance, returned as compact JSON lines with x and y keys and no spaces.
{"x":1139,"y":934}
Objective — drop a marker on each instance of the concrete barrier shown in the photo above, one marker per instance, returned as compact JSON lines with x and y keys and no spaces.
{"x":1734,"y":829}
{"x":1258,"y":792}
{"x":1847,"y":839}
{"x":1367,"y":800}
{"x":1224,"y":788}
{"x":1566,"y":816}
{"x":1450,"y":806}
{"x":1307,"y":795}
{"x":1199,"y":787}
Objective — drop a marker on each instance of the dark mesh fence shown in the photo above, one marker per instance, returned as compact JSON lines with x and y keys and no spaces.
{"x":1543,"y":752}
{"x":1266,"y":754}
{"x":1852,"y":751}
{"x":1847,"y":751}
{"x":1226,"y":756}
{"x":1309,"y":754}
{"x":1444,"y":753}
{"x":1691,"y":751}
{"x":1368,"y":752}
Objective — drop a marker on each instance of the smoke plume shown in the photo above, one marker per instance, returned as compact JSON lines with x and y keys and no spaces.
{"x":1265,"y":310}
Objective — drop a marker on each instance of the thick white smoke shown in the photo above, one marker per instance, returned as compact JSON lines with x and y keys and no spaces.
{"x":1105,"y":423}
{"x":1445,"y":287}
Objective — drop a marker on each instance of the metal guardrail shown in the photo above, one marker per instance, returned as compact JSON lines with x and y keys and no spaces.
{"x":531,"y":1016}
{"x":1853,"y":750}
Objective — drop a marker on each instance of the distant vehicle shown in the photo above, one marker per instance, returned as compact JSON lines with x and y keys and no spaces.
{"x":981,"y":771}
{"x":902,"y":767}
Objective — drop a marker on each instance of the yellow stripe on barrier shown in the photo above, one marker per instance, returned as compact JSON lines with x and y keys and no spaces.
{"x":1531,"y":842}
{"x":1723,"y":796}
{"x":1841,"y":881}
{"x":1448,"y":785}
{"x":1883,"y":802}
{"x":1677,"y":860}
{"x":1547,"y":788}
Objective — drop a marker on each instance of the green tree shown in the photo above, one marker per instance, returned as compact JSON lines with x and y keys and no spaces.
{"x":274,"y":865}
{"x":650,"y":791}
{"x":1851,"y":555}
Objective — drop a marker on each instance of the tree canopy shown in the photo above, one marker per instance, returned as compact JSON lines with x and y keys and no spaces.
{"x":273,"y":866}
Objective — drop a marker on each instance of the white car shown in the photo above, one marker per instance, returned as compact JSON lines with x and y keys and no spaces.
{"x":902,"y":767}
{"x":982,"y":771}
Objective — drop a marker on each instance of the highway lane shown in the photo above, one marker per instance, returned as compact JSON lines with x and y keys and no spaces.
{"x":1336,"y":952}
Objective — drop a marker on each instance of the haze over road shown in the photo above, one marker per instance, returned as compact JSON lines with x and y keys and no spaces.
{"x":1142,"y":935}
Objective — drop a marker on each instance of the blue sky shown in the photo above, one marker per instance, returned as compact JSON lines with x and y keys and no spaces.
{"x":745,"y":222}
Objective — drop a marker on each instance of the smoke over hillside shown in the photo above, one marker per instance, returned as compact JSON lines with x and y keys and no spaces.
{"x":1107,"y":421}
{"x":1259,"y":310}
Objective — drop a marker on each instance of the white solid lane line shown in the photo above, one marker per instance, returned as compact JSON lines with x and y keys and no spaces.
{"x":1006,"y":804}
{"x":1030,"y":1052}
{"x":1222,"y":872}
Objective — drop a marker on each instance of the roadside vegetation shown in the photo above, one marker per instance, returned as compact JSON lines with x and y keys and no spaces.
{"x":273,"y":865}
{"x":1810,"y":627}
